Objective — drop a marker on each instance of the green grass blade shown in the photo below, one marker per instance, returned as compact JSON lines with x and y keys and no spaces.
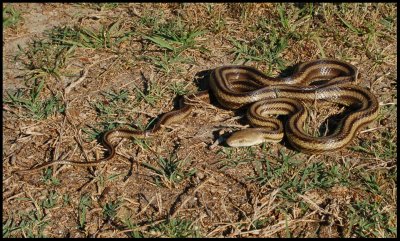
{"x":160,"y":42}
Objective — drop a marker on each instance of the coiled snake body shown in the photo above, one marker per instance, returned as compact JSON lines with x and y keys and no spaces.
{"x":238,"y":86}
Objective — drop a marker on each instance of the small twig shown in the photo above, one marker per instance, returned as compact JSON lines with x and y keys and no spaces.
{"x":176,"y":210}
{"x":14,"y":196}
{"x":313,"y":205}
{"x":84,"y":74}
{"x":39,"y":210}
{"x":146,"y":207}
{"x":281,"y":225}
{"x":143,"y":227}
{"x":134,"y":11}
{"x":391,"y":103}
{"x":80,"y":189}
{"x":78,"y":140}
{"x":19,"y":36}
{"x":233,"y":125}
{"x":159,"y":203}
{"x":372,"y":129}
{"x":152,"y":115}
{"x":218,"y":141}
{"x":258,"y":206}
{"x":60,"y":134}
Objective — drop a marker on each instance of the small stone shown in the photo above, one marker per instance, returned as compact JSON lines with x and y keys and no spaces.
{"x":200,"y":175}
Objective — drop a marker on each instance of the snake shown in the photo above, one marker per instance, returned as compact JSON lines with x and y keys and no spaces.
{"x":244,"y":87}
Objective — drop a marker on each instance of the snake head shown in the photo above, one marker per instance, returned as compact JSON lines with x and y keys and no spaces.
{"x":250,"y":137}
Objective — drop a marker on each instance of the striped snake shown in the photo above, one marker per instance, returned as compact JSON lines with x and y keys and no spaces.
{"x":242,"y":86}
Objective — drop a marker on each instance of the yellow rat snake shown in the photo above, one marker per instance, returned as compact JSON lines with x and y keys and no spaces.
{"x":243,"y":86}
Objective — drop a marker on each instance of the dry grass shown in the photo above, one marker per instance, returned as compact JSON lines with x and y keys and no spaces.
{"x":74,"y":71}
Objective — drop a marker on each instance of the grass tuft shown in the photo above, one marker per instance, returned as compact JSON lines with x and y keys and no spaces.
{"x":176,"y":228}
{"x":10,"y":16}
{"x":169,"y":171}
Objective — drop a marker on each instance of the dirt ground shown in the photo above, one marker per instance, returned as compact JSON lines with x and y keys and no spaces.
{"x":73,"y":71}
